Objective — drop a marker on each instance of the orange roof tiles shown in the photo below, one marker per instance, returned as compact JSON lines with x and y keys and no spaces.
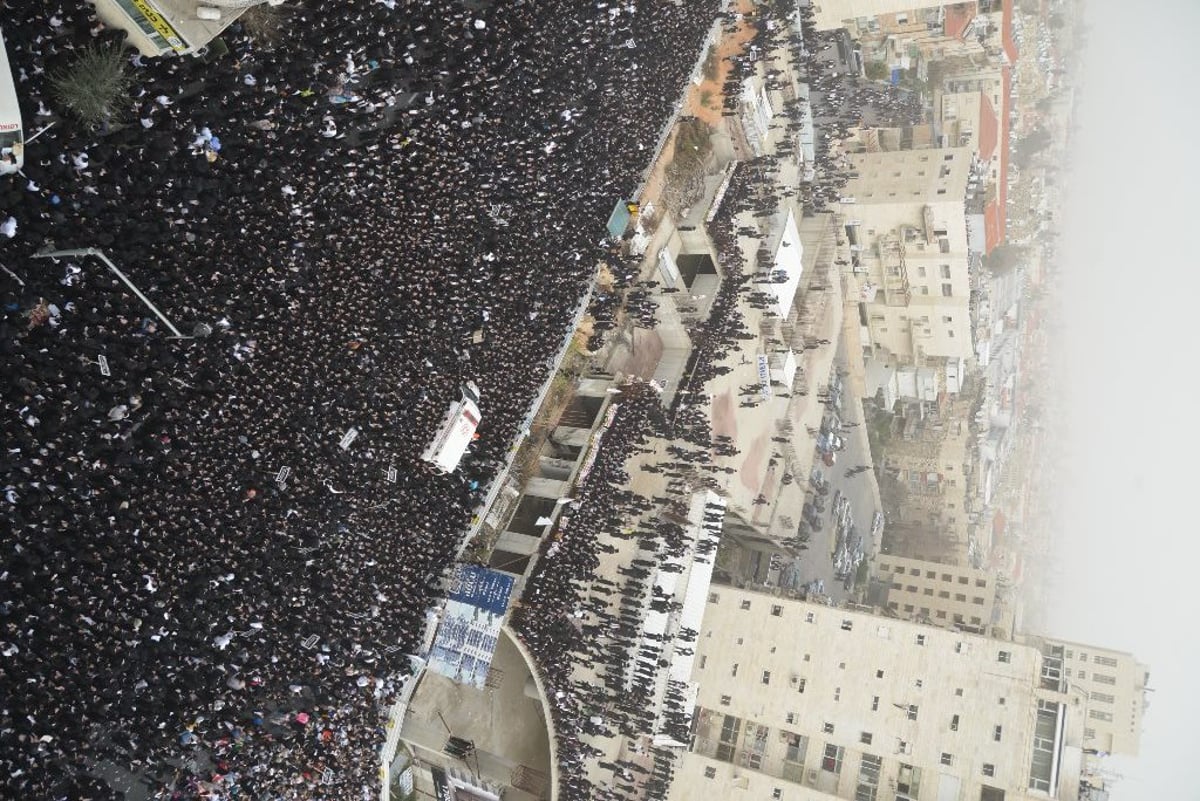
{"x":958,"y":18}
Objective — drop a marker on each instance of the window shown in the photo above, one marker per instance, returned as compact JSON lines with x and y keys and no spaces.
{"x":1083,"y":656}
{"x":713,"y":597}
{"x":954,"y":723}
{"x":1103,"y":698}
{"x":879,"y":674}
{"x":868,"y":777}
{"x":766,"y":677}
{"x":930,"y":574}
{"x":1082,"y":674}
{"x":920,"y":639}
{"x":777,"y":610}
{"x":998,"y":733}
{"x":947,"y":759}
{"x":847,"y":625}
{"x":1107,"y":661}
{"x":980,"y":582}
{"x":1096,"y":714}
{"x":1041,"y":765}
{"x":777,"y":793}
{"x":912,"y":711}
{"x":963,"y":580}
{"x":733,"y":672}
{"x":910,"y":588}
{"x":908,"y":783}
{"x":947,"y":290}
{"x":987,"y":793}
{"x":745,"y":604}
{"x":1069,"y":654}
{"x":946,"y":274}
{"x":797,"y":746}
{"x":703,"y":661}
{"x":810,"y":617}
{"x":941,"y":614}
{"x":928,"y":591}
{"x":865,"y":738}
{"x":1004,"y":656}
{"x":989,"y":769}
{"x":884,"y":567}
{"x":943,"y":594}
{"x":827,"y":728}
{"x":958,"y":691}
{"x":908,"y":607}
{"x":837,"y":693}
{"x":832,"y":759}
{"x":1089,"y":734}
{"x":960,"y":597}
{"x":800,"y":685}
{"x":791,"y":717}
{"x":726,"y":700}
{"x":962,"y":646}
{"x":1002,"y":700}
{"x":710,"y":772}
{"x":912,"y":571}
{"x":1101,"y":678}
{"x":947,"y":577}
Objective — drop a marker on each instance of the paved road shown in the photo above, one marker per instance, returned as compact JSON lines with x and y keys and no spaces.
{"x":860,"y":490}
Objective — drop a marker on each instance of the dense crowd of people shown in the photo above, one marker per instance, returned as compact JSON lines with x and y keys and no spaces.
{"x":201,"y":589}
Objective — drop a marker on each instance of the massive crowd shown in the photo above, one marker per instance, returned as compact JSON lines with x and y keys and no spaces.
{"x":200,"y":589}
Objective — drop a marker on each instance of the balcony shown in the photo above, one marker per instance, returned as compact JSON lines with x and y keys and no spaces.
{"x":894,"y":271}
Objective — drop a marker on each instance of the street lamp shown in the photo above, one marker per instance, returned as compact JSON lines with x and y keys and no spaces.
{"x":54,"y":254}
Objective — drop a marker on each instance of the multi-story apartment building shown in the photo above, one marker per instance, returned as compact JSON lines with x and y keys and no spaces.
{"x":905,"y":215}
{"x":1115,"y":684}
{"x":944,"y":595}
{"x":926,"y":477}
{"x":798,"y":700}
{"x":861,"y":15}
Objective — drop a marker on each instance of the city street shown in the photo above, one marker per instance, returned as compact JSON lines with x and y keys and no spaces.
{"x":860,"y":490}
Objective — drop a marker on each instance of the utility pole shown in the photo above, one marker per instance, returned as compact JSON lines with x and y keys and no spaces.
{"x":55,"y":254}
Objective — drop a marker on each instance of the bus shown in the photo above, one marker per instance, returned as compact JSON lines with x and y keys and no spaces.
{"x":12,"y":133}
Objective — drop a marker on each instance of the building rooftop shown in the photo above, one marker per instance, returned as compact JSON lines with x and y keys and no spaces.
{"x":958,"y":18}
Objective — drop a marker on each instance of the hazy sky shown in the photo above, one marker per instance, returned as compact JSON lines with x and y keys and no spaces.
{"x":1130,"y":547}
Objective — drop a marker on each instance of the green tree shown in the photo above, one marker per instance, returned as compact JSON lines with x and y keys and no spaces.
{"x":877,"y":70}
{"x":95,"y":86}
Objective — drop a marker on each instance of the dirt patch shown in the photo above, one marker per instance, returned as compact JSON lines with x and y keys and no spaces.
{"x":753,"y":457}
{"x":724,"y":420}
{"x":704,"y":101}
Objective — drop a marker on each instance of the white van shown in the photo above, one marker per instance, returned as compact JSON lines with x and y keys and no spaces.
{"x":456,"y":432}
{"x":12,"y":132}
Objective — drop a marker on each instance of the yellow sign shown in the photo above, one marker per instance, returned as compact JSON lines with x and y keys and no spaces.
{"x":160,"y":24}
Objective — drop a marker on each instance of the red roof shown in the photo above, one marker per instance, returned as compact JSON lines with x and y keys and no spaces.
{"x":989,"y":128}
{"x":1006,"y":31}
{"x":958,"y":17}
